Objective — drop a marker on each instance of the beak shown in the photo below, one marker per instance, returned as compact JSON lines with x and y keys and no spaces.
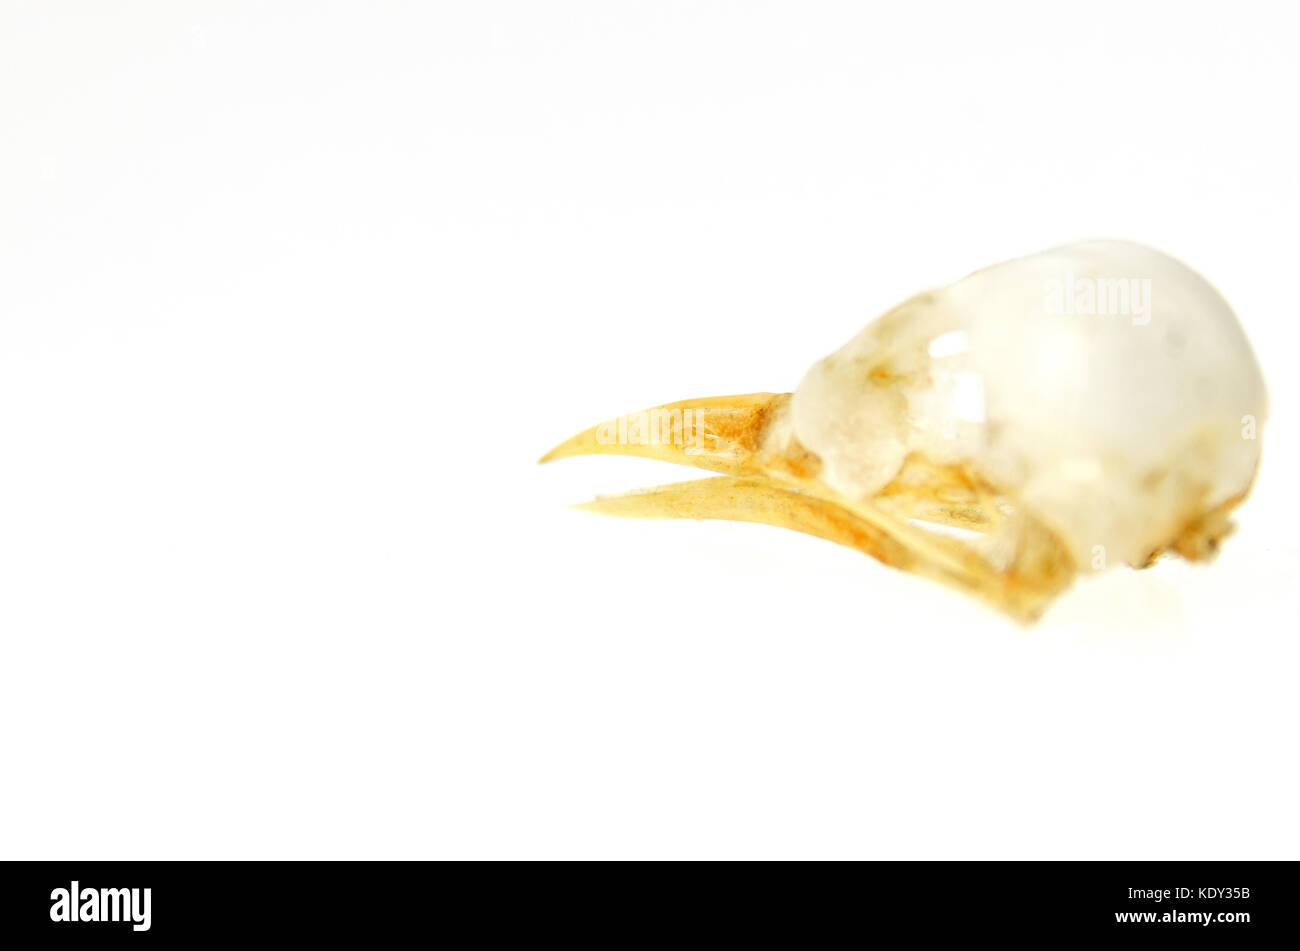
{"x":718,"y":433}
{"x":769,"y":478}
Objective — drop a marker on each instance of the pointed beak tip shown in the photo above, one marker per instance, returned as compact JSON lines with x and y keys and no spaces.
{"x":553,"y":454}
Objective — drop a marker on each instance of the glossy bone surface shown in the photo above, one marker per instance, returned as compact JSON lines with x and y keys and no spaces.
{"x":1105,"y":386}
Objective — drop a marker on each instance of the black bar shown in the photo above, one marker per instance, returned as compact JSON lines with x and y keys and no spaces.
{"x":367,"y":901}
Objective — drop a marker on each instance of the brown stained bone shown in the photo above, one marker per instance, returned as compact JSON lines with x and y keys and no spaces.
{"x":772,"y":480}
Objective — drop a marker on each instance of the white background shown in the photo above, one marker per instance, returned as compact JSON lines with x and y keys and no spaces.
{"x":293,"y":296}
